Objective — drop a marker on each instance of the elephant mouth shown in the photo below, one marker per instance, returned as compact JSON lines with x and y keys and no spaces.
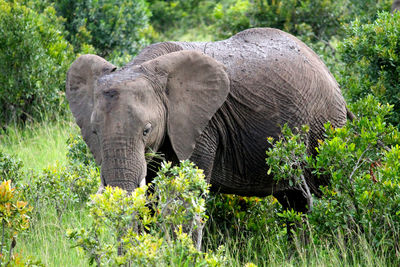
{"x":123,"y":178}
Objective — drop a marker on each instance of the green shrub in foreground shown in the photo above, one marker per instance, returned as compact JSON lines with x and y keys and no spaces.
{"x":14,"y":219}
{"x":363,"y":162}
{"x":144,"y":228}
{"x":372,"y":61}
{"x":60,"y":187}
{"x":34,"y":60}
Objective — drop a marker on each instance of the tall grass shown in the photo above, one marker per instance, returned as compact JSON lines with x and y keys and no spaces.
{"x":46,"y":239}
{"x":38,"y":144}
{"x":264,"y":249}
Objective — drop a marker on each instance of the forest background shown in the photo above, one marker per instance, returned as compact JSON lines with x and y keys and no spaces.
{"x":357,"y":220}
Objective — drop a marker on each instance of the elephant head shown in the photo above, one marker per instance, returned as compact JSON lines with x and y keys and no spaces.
{"x":123,"y":113}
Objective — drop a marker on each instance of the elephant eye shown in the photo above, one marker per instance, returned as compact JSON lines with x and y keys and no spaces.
{"x":147,"y":129}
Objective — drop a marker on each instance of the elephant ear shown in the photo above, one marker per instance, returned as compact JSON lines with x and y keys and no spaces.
{"x":81,"y":79}
{"x":196,"y":86}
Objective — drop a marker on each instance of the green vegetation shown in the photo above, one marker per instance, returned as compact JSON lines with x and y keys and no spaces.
{"x":144,"y":229}
{"x":35,"y":58}
{"x":14,"y":218}
{"x":48,"y":174}
{"x":116,"y":29}
{"x":38,"y":145}
{"x":362,"y":160}
{"x":370,"y":54}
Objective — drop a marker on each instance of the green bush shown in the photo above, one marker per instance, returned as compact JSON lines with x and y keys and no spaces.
{"x":175,"y":18}
{"x":78,"y":151}
{"x":117,"y":29}
{"x":150,"y":229}
{"x":312,"y":20}
{"x":321,"y":19}
{"x":372,"y":62}
{"x":35,"y":58}
{"x":10,"y":168}
{"x":362,"y":160}
{"x":241,"y":215}
{"x":14,"y":219}
{"x":60,"y":187}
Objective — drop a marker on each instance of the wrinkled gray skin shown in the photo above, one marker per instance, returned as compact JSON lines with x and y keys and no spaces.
{"x":214,"y":103}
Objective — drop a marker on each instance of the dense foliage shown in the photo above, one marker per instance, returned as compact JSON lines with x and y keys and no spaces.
{"x":35,"y":58}
{"x":362,"y":160}
{"x":14,"y":218}
{"x":115,"y":28}
{"x":10,"y":168}
{"x":372,"y":62}
{"x":143,"y":229}
{"x":296,"y":17}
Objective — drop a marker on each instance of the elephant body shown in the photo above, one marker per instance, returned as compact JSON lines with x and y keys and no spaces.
{"x":260,"y":79}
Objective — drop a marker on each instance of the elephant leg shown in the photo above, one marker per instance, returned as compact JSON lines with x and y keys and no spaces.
{"x":292,"y":199}
{"x":204,"y":156}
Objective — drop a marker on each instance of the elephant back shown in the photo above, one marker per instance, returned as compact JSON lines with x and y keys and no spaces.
{"x":153,"y":51}
{"x":276,"y":72}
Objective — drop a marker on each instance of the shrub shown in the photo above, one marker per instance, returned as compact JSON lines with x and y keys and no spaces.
{"x":172,"y":17}
{"x":287,"y":159}
{"x":60,"y":187}
{"x":371,"y":54}
{"x":14,"y":218}
{"x":78,"y":151}
{"x":149,"y":229}
{"x":165,"y":13}
{"x":250,"y":229}
{"x":363,"y":161}
{"x":241,"y":215}
{"x":10,"y":168}
{"x":35,"y":58}
{"x":115,"y":28}
{"x":321,"y":19}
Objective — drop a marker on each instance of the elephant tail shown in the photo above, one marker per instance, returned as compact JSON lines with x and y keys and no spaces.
{"x":350,"y":115}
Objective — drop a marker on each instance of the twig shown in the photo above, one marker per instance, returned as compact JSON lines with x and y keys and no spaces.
{"x":306,"y":192}
{"x":358,"y":165}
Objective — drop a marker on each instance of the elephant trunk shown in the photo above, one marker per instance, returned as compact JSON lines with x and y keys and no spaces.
{"x":123,"y":165}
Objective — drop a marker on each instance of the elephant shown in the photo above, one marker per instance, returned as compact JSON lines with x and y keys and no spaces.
{"x":214,"y":103}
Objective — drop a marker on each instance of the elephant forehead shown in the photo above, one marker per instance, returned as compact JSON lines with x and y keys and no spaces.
{"x":119,"y":77}
{"x":136,"y":87}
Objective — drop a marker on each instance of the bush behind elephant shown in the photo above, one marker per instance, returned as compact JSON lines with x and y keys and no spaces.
{"x":214,"y":103}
